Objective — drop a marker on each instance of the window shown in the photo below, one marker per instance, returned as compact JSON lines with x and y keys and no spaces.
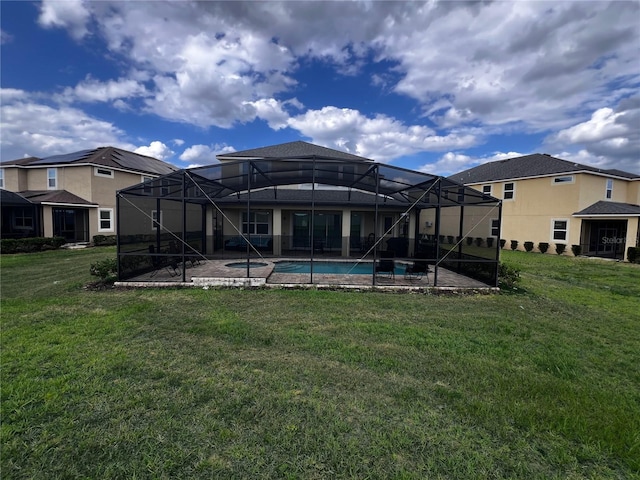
{"x":486,"y":189}
{"x":147,"y":184}
{"x":1,"y":177}
{"x":509,"y":191}
{"x":155,"y":221}
{"x":609,"y":193}
{"x":164,"y":190}
{"x":258,"y":223}
{"x":560,"y":228}
{"x":105,"y":220}
{"x":495,"y":227}
{"x":103,"y":172}
{"x":561,"y":180}
{"x":23,"y":218}
{"x":52,"y":178}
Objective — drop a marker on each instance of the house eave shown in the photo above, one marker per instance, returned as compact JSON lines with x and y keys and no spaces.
{"x":548,"y":175}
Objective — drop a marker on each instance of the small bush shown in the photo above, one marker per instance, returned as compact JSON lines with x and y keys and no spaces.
{"x":503,"y":242}
{"x":105,"y":269}
{"x":29,"y":245}
{"x":104,"y":240}
{"x":543,"y":247}
{"x":441,"y":238}
{"x":576,"y":250}
{"x":479,"y":241}
{"x":514,"y":244}
{"x":560,"y":247}
{"x":528,"y":246}
{"x":490,"y":242}
{"x":508,"y":276}
{"x":450,"y":239}
{"x":633,"y":254}
{"x":469,"y":240}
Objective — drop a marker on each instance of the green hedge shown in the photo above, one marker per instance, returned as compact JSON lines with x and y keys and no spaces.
{"x":28,"y":245}
{"x":633,"y":254}
{"x":104,"y":240}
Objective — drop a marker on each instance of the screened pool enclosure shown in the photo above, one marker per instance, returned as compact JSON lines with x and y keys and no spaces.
{"x":286,"y":220}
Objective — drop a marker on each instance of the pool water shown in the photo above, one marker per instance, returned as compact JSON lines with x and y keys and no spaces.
{"x":244,"y":264}
{"x":337,"y":268}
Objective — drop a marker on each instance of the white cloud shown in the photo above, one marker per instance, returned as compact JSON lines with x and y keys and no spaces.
{"x":381,"y":138}
{"x":70,"y":14}
{"x":452,"y":162}
{"x":32,"y":128}
{"x":204,"y":154}
{"x":5,"y":37}
{"x":93,"y":90}
{"x":155,"y":149}
{"x":178,"y":142}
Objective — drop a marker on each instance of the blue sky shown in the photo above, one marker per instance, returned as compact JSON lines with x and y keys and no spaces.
{"x":433,"y":86}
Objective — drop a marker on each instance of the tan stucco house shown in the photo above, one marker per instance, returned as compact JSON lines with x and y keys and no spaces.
{"x":550,"y":200}
{"x":71,"y":195}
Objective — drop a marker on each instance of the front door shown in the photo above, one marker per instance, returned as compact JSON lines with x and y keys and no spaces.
{"x":72,"y":224}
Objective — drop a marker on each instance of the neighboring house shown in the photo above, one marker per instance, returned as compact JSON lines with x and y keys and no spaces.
{"x":550,"y":200}
{"x":72,"y":195}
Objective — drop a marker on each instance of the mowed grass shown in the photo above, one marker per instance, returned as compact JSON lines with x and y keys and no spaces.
{"x":192,"y":383}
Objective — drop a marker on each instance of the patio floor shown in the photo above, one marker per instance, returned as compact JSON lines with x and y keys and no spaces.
{"x":217,"y":273}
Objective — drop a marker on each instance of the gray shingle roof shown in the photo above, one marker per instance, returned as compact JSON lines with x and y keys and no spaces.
{"x":12,"y":198}
{"x":298,"y":149}
{"x":55,"y":196}
{"x":610,"y":208}
{"x":533,"y":165}
{"x":106,"y":156}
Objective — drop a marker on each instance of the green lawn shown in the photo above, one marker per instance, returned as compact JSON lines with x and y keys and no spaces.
{"x":193,"y":383}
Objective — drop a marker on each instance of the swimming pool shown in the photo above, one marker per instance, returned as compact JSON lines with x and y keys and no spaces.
{"x":336,"y":268}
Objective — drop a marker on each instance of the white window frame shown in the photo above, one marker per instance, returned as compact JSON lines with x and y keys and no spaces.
{"x":563,"y":180}
{"x":103,"y":172}
{"x":1,"y":177}
{"x":554,"y":230}
{"x":485,"y":188}
{"x":110,"y":220}
{"x":512,"y":191}
{"x":154,"y":217}
{"x":608,"y":194}
{"x":147,"y":184}
{"x":54,"y":178}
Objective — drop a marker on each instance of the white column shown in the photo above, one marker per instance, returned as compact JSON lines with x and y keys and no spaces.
{"x":277,"y":231}
{"x":346,"y":231}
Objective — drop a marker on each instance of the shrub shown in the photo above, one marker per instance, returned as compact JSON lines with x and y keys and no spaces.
{"x":528,"y":246}
{"x":441,"y":238}
{"x":469,"y":240}
{"x":104,"y":240}
{"x":105,"y":269}
{"x":490,"y":242}
{"x":450,"y":239}
{"x":633,"y":254}
{"x":560,"y":247}
{"x":29,"y":245}
{"x":503,"y":242}
{"x":576,"y":250}
{"x":543,"y":247}
{"x":479,"y":241}
{"x":514,"y":244}
{"x":508,"y":276}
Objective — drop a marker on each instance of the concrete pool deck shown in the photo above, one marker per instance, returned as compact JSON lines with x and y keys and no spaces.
{"x":216,"y":273}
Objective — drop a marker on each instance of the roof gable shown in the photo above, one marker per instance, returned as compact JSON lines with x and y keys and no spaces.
{"x":534,"y":165}
{"x":298,"y":149}
{"x":610,"y":208}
